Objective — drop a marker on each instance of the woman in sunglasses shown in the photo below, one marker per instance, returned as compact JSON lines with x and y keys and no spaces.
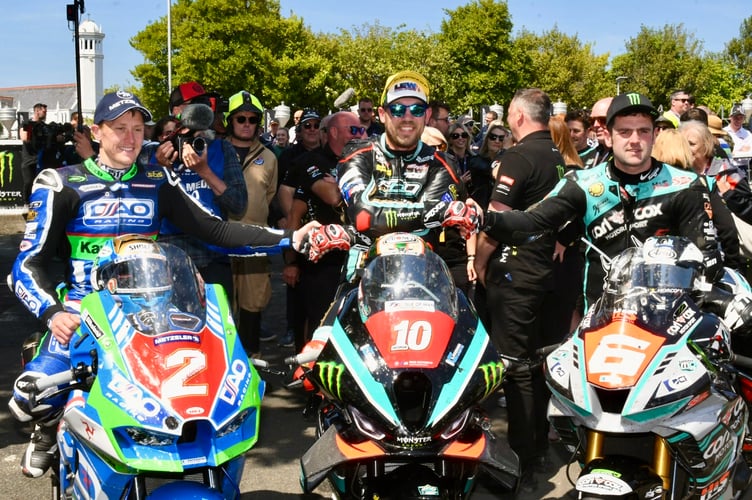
{"x":459,"y":146}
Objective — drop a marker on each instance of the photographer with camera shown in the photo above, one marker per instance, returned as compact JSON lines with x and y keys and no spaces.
{"x":30,"y":150}
{"x":210,"y":172}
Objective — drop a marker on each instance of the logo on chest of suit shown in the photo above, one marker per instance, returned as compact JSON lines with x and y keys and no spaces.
{"x":118,"y":211}
{"x":648,"y":211}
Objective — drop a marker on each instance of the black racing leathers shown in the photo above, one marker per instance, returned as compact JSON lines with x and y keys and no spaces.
{"x":616,"y":208}
{"x":386,"y":191}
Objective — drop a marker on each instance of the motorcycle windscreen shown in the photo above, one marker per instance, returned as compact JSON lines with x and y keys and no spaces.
{"x":411,"y":334}
{"x":408,"y":304}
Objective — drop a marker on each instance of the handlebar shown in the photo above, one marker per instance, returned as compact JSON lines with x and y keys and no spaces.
{"x":258,"y":363}
{"x":55,"y":380}
{"x":741,"y":361}
{"x":302,"y":358}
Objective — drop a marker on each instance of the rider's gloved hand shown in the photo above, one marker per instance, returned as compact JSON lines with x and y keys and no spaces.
{"x":315,"y":347}
{"x":327,"y":238}
{"x":463,"y":216}
{"x":738,"y":315}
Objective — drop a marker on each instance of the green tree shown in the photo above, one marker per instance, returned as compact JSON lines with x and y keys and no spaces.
{"x":659,"y":61}
{"x":368,"y":55}
{"x":565,"y":68}
{"x":479,"y":63}
{"x":229,"y":46}
{"x":739,"y":53}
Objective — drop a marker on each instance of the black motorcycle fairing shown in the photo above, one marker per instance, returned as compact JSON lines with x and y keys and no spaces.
{"x":331,"y":375}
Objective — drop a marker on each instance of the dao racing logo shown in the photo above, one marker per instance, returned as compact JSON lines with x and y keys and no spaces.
{"x":6,"y":164}
{"x":133,"y":211}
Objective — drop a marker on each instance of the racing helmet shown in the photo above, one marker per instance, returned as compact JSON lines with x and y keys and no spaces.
{"x":661,"y":263}
{"x":244,"y":101}
{"x":136,"y":270}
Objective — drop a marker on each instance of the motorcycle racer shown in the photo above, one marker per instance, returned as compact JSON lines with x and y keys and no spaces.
{"x":73,"y":211}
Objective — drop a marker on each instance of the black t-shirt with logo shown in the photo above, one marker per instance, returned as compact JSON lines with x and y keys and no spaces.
{"x":527,"y":173}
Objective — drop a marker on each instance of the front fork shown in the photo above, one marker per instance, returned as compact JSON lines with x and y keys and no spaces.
{"x":661,"y":455}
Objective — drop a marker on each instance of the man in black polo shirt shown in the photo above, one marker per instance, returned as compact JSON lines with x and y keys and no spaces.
{"x":517,"y":278}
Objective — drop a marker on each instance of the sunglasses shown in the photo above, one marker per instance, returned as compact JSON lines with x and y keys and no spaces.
{"x":253,"y":120}
{"x":310,"y":125}
{"x":455,"y":135}
{"x":366,"y":110}
{"x":355,"y":130}
{"x":494,"y":137}
{"x":398,"y":110}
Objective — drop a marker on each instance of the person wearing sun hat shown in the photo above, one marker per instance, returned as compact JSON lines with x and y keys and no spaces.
{"x":79,"y":208}
{"x":636,"y":195}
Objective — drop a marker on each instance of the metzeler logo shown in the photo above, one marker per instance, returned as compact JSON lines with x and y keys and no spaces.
{"x":130,"y":211}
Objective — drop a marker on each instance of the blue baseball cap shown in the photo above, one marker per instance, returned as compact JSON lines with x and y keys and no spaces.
{"x":114,"y":104}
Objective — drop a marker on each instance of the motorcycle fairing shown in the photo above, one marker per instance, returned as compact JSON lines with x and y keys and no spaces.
{"x":411,"y":338}
{"x":125,"y":394}
{"x":370,"y":388}
{"x":656,"y":376}
{"x":327,"y":452}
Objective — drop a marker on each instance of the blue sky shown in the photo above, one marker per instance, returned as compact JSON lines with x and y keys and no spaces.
{"x":37,"y":46}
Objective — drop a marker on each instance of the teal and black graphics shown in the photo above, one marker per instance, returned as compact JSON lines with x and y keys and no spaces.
{"x":644,"y":391}
{"x":406,"y":364}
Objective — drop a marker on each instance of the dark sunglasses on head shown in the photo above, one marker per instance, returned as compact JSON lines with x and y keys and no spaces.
{"x":366,"y":110}
{"x":355,"y":130}
{"x":456,"y":135}
{"x":253,"y":120}
{"x":398,"y":110}
{"x":494,"y":137}
{"x":310,"y":125}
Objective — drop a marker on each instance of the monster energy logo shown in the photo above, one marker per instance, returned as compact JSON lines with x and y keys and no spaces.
{"x":6,"y":158}
{"x":330,"y":376}
{"x":634,"y":98}
{"x":391,"y":218}
{"x":492,"y":374}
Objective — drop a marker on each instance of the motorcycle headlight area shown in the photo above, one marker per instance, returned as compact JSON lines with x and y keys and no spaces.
{"x":235,"y":424}
{"x":455,"y":426}
{"x":146,"y":437}
{"x":365,"y":425}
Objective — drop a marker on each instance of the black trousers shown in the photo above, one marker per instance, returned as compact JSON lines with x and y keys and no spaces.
{"x":515,"y":329}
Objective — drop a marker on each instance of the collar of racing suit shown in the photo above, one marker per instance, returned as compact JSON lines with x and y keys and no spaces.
{"x":391,"y":154}
{"x":100,"y":171}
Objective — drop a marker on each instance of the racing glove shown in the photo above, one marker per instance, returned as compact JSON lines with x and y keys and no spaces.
{"x":463,"y":216}
{"x":327,"y":238}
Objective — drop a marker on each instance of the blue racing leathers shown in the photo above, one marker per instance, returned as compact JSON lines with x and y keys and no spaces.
{"x":75,"y":209}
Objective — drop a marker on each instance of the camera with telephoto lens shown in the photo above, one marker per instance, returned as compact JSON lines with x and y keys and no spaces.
{"x":44,"y":135}
{"x":197,"y":143}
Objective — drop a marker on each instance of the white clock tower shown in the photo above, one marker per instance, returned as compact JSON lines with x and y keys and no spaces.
{"x":92,"y":65}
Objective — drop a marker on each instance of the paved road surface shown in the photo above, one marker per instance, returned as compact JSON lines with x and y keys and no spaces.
{"x":272,"y":465}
